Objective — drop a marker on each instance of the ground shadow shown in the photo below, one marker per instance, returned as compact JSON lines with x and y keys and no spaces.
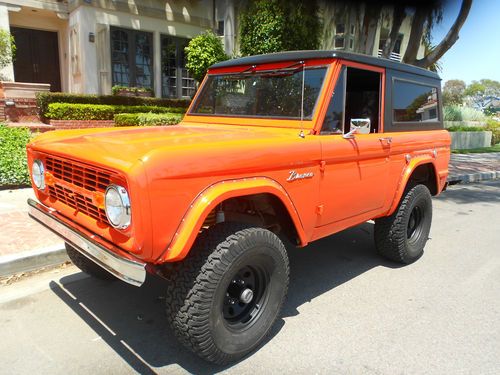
{"x":484,"y":192}
{"x":131,"y":320}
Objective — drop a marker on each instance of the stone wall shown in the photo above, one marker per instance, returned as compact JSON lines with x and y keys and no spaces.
{"x":19,"y":110}
{"x":81,"y":124}
{"x":468,"y":140}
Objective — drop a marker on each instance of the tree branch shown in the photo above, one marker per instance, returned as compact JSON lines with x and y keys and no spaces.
{"x":449,"y":40}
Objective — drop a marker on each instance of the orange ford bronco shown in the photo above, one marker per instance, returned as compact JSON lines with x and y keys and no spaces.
{"x":287,"y":147}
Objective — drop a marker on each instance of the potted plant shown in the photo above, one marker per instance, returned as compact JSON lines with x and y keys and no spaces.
{"x":132,"y":91}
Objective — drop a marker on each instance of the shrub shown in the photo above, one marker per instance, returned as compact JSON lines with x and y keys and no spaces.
{"x":456,"y":113}
{"x":7,"y":48}
{"x":45,"y":98}
{"x":494,"y":127}
{"x":13,"y":160}
{"x":145,"y":119}
{"x":204,"y":50}
{"x":452,"y":113}
{"x":65,"y":111}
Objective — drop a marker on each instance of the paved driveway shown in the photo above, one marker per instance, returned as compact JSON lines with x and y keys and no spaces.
{"x":348,"y":310}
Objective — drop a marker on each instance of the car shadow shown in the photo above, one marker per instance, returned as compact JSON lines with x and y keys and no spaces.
{"x":132,"y":322}
{"x":484,"y":192}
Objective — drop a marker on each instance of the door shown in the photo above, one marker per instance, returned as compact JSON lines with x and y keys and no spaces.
{"x":37,"y":57}
{"x":355,"y":168}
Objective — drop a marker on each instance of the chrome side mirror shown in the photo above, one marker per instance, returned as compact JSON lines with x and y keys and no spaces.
{"x":358,"y":126}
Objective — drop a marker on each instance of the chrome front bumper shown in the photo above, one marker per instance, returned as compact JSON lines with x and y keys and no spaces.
{"x":128,"y":270}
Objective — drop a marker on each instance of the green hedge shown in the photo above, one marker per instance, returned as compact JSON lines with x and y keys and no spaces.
{"x":463,"y":128}
{"x":65,"y":111}
{"x":147,"y":119}
{"x":45,"y":98}
{"x":13,"y":160}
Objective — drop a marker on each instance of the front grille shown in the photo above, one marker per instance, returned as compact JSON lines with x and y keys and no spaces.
{"x":83,"y":176}
{"x":85,"y":180}
{"x":78,"y":202}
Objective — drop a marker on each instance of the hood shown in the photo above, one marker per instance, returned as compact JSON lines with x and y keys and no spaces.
{"x":121,"y":148}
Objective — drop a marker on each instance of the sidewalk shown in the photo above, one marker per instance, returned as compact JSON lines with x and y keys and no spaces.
{"x":26,"y":245}
{"x":466,"y":168}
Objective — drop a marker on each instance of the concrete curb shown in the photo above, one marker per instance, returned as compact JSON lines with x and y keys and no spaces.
{"x":32,"y":260}
{"x":474,"y":177}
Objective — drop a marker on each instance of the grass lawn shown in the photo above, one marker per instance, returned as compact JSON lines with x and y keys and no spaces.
{"x":495,"y":148}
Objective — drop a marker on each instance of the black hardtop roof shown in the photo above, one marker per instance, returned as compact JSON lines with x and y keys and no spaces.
{"x":309,"y":55}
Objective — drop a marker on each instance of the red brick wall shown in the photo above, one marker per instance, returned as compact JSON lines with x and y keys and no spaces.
{"x":81,"y":124}
{"x":23,"y":110}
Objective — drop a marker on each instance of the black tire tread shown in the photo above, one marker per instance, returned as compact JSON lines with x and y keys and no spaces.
{"x":194,"y":279}
{"x":390,"y":231}
{"x":86,"y":265}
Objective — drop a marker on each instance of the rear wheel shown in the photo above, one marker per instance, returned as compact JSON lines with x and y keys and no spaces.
{"x":86,"y":265}
{"x":226,"y":295}
{"x":402,"y":236}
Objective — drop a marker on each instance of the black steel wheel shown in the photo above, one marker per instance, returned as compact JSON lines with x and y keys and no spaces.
{"x":226,"y":295}
{"x":402,"y":236}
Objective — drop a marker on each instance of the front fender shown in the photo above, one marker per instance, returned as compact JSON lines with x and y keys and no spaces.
{"x":208,"y":199}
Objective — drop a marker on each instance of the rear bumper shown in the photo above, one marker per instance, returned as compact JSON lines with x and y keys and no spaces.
{"x":103,"y":253}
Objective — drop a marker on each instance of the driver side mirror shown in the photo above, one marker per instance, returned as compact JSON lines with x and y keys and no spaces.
{"x":358,"y":126}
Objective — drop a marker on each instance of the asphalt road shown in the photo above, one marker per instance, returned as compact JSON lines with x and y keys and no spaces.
{"x":348,"y":310}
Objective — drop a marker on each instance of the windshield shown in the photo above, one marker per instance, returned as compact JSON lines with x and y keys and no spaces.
{"x":269,"y":94}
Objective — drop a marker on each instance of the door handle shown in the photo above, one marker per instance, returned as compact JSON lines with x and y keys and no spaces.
{"x":386,"y":140}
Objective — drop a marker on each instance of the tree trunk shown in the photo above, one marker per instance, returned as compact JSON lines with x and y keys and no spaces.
{"x":369,"y":29}
{"x":416,"y":34}
{"x":398,"y":15}
{"x":449,"y":40}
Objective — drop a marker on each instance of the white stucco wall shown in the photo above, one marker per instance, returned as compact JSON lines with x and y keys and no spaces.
{"x":86,"y":19}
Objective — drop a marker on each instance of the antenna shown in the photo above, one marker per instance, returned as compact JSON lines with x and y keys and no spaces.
{"x":301,"y":134}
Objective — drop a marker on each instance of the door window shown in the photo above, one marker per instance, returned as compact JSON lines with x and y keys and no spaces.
{"x":356,"y":96}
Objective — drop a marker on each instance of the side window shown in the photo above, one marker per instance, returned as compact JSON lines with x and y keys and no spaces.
{"x":334,"y":118}
{"x":414,"y":102}
{"x":362,"y":97}
{"x":356,"y":97}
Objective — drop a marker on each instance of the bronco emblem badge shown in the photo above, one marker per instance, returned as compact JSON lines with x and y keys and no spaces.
{"x":299,"y":176}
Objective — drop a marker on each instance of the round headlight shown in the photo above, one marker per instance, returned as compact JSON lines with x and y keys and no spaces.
{"x":117,"y":206}
{"x":37,"y":173}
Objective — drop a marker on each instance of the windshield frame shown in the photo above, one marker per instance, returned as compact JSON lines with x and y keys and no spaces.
{"x":288,"y":122}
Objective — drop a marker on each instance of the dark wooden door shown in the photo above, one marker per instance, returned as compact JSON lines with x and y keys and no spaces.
{"x":37,"y":57}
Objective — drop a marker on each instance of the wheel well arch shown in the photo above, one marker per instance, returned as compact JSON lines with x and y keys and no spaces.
{"x":263,"y":209}
{"x":206,"y":206}
{"x":424,"y":174}
{"x":421,"y":171}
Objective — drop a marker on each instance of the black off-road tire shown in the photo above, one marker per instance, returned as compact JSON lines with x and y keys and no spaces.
{"x":200,"y":296}
{"x":402,"y":236}
{"x":86,"y":265}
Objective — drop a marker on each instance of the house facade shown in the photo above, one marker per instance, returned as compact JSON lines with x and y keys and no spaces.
{"x":89,"y":46}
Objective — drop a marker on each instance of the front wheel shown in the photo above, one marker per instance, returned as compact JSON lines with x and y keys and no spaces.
{"x":402,"y":236}
{"x":226,"y":295}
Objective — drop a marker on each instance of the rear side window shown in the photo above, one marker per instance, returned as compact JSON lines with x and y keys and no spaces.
{"x":414,"y":102}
